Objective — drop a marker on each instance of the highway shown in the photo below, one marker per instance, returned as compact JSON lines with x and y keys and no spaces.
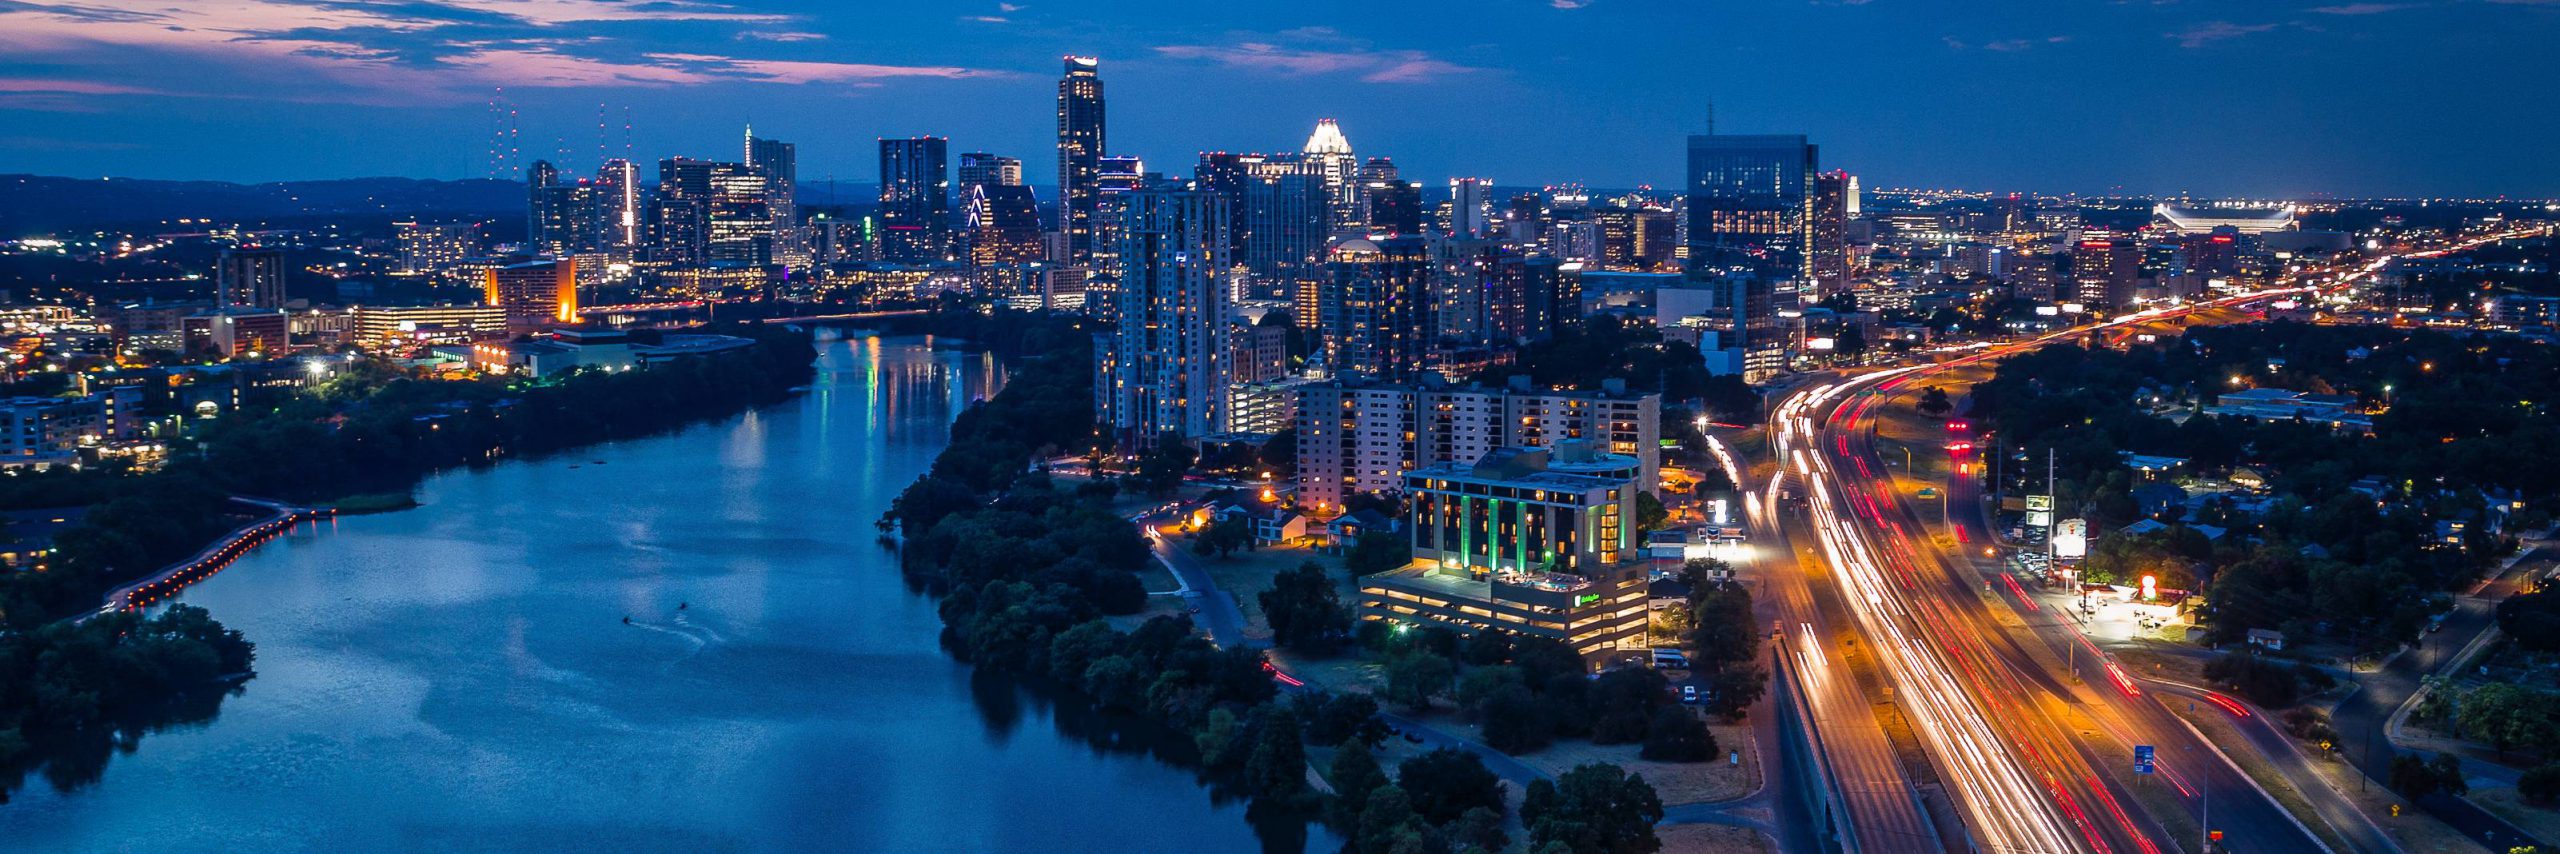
{"x":2010,"y":730}
{"x":1882,"y":808}
{"x":2016,"y":744}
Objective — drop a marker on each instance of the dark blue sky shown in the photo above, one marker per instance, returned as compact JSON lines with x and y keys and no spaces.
{"x":2205,"y":96}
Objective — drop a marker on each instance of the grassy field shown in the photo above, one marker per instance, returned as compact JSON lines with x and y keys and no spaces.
{"x":1715,"y":839}
{"x":1676,"y":782}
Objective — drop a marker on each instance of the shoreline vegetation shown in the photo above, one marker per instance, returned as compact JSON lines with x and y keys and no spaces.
{"x":361,"y":441}
{"x":1027,"y":568}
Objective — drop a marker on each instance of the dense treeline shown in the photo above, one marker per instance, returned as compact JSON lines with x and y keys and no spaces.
{"x":369,"y":429}
{"x":118,"y":671}
{"x":2468,"y":416}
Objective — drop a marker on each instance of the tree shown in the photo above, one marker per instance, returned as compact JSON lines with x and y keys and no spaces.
{"x":1593,"y":809}
{"x":1650,"y":514}
{"x":1305,"y":612}
{"x":1334,"y":718}
{"x":2506,"y":716}
{"x":1516,"y":721}
{"x":1386,"y":821}
{"x":1278,"y":767}
{"x":1416,"y":677}
{"x":1480,"y":683}
{"x":1354,"y":774}
{"x":1677,"y":736}
{"x":2540,"y":785}
{"x":1375,"y":552}
{"x":1161,"y":468}
{"x":1479,"y":829}
{"x":1216,"y":740}
{"x":2418,"y":778}
{"x":1444,"y":783}
{"x":1228,"y":533}
{"x":1934,"y":401}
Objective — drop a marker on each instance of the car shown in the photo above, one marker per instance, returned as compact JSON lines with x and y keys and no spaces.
{"x":1689,"y":694}
{"x":2436,"y":626}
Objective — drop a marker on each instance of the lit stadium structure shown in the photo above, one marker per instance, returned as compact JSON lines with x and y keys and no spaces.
{"x":2197,"y":220}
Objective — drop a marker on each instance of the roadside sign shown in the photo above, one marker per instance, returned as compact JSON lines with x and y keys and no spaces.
{"x":2142,"y":758}
{"x":2040,"y":502}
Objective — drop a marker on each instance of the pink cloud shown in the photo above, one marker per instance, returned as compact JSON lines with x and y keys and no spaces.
{"x":793,"y":71}
{"x":1400,"y":66}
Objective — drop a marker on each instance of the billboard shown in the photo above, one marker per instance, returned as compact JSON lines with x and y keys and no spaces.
{"x":2071,"y":538}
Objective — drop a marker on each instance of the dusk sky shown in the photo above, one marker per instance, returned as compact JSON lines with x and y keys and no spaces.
{"x":2204,"y":96}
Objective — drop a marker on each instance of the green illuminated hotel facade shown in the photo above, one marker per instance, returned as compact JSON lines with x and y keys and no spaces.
{"x":1521,"y":541}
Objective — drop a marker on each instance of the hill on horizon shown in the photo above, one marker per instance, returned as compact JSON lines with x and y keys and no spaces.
{"x":36,"y":205}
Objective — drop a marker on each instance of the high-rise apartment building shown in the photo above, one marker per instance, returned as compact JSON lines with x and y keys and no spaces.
{"x":1080,"y":148}
{"x":1356,"y":436}
{"x":915,"y":200}
{"x":250,"y":277}
{"x":1375,"y":309}
{"x":1166,"y":358}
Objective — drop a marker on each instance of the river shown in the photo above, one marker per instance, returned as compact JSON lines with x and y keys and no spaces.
{"x":459,"y":676}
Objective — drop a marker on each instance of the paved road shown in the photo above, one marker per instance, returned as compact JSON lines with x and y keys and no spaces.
{"x":2267,"y":736}
{"x":2361,"y":719}
{"x":1217,"y":611}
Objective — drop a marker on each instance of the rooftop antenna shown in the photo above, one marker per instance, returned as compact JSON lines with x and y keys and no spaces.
{"x":1711,"y":116}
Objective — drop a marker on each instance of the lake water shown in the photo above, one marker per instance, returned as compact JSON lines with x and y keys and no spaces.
{"x":459,"y":676}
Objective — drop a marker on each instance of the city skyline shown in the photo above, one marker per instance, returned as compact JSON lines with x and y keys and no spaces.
{"x":2208,"y":98}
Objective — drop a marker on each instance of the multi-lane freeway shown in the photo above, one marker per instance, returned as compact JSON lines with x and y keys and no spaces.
{"x":2021,"y":744}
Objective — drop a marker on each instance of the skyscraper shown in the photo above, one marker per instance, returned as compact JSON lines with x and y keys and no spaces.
{"x":1751,"y":203}
{"x":1829,"y":266}
{"x":915,"y":200}
{"x":980,"y":169}
{"x":1166,"y":360}
{"x":1395,"y":208}
{"x":544,"y":220}
{"x":1328,"y":156}
{"x":779,"y":163}
{"x":1376,"y":307}
{"x":618,"y":192}
{"x":1750,"y":200}
{"x":738,"y":215}
{"x":1080,"y":147}
{"x":1287,"y":217}
{"x":250,"y":277}
{"x":680,"y":222}
{"x":1004,"y":229}
{"x":1470,"y":207}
